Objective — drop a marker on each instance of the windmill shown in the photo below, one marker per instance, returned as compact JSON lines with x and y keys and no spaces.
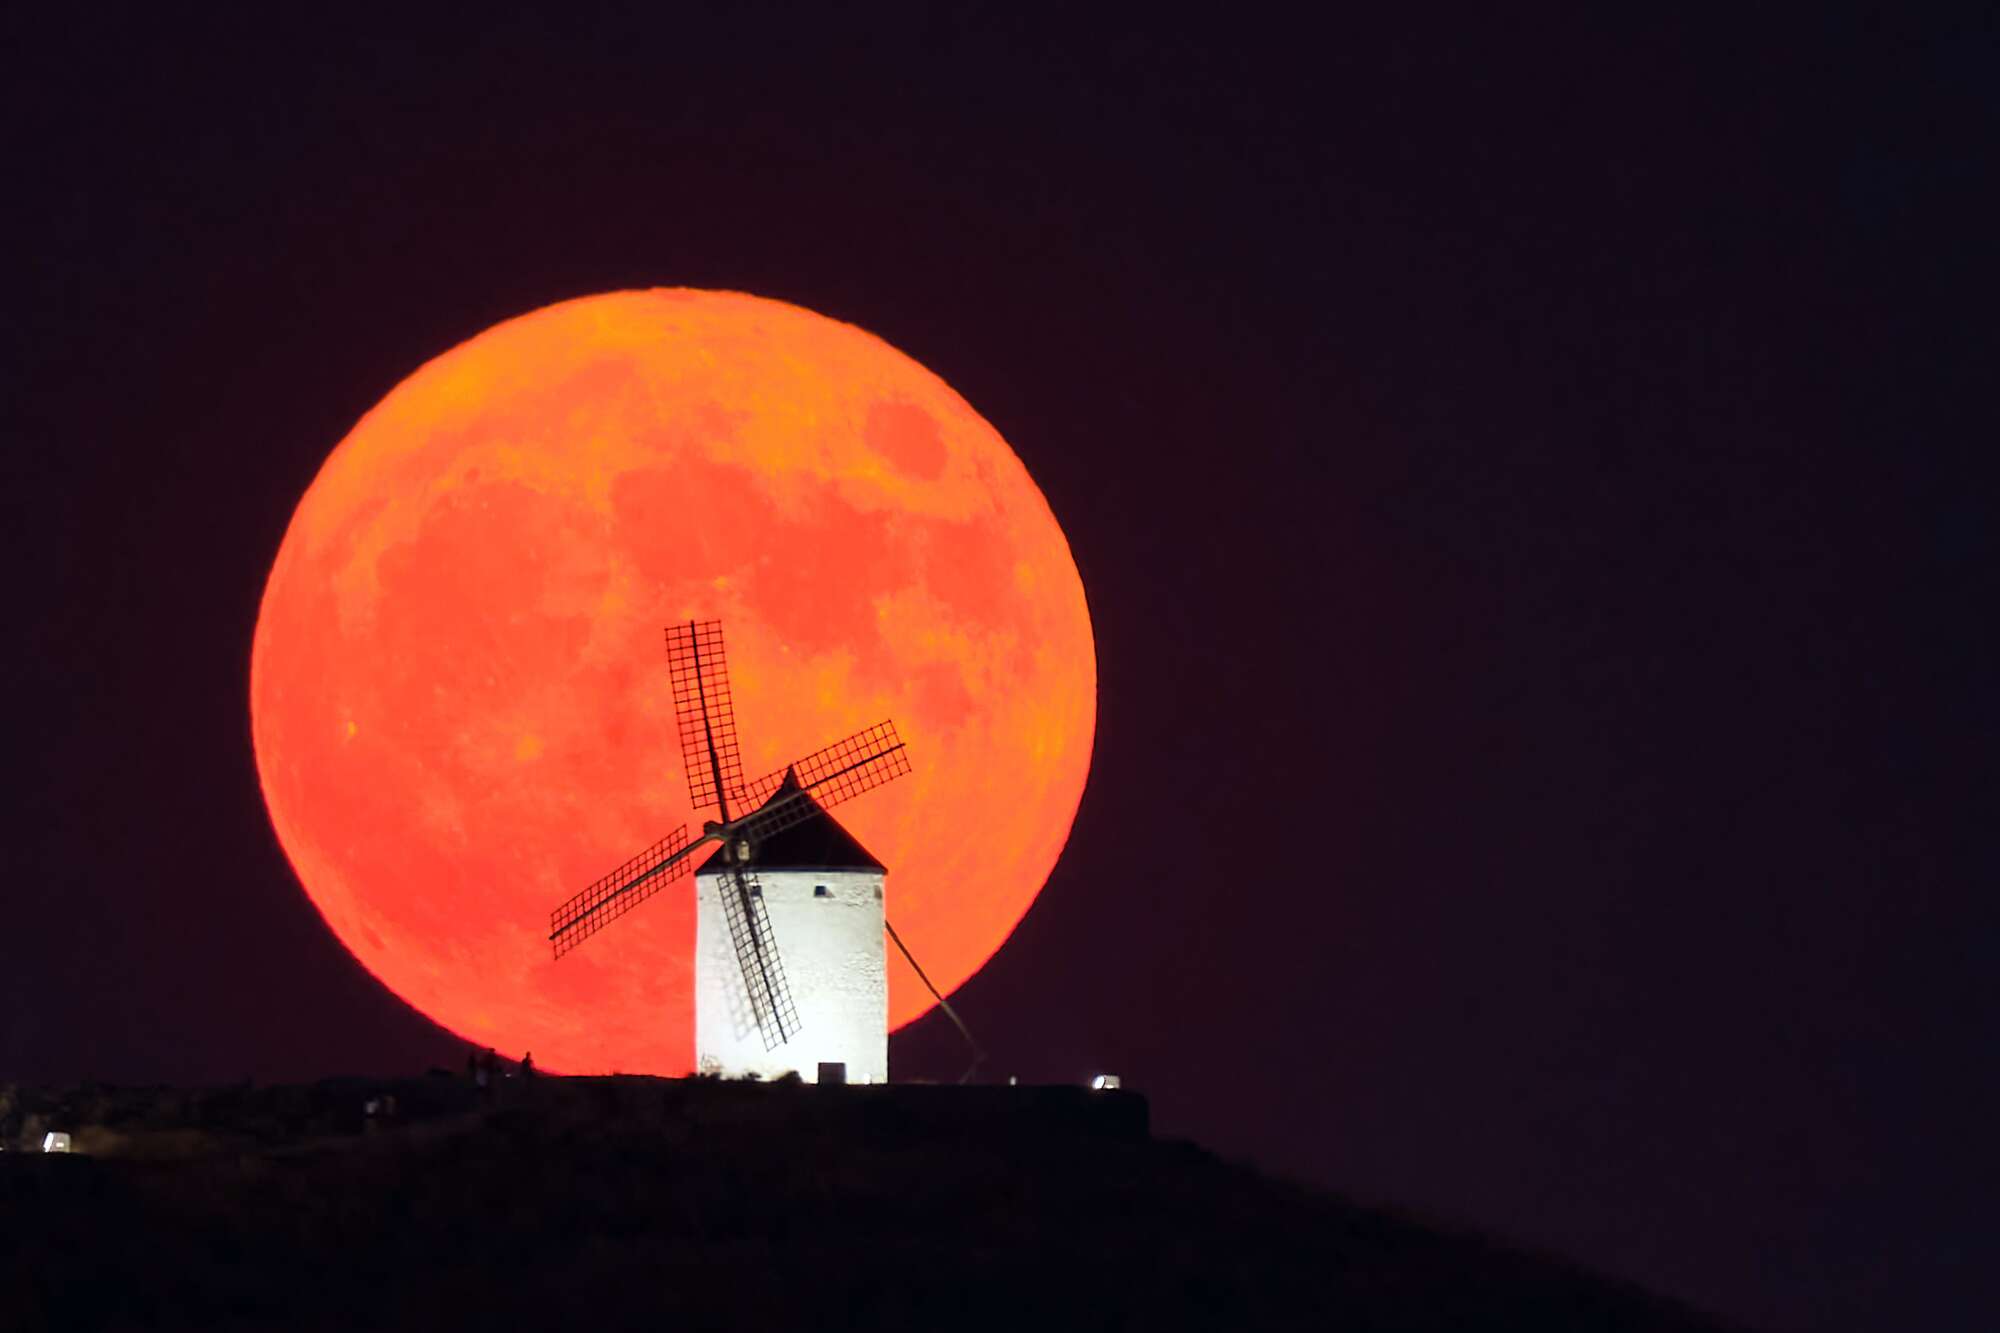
{"x":748,"y":816}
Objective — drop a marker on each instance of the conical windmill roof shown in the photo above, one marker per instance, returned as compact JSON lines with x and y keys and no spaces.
{"x":816,"y":843}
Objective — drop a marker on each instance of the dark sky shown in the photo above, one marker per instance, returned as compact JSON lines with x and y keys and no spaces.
{"x":1528,"y":481}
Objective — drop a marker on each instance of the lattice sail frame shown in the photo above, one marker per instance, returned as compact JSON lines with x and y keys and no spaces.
{"x":620,"y":891}
{"x":757,"y":956}
{"x":704,"y":714}
{"x":864,"y":761}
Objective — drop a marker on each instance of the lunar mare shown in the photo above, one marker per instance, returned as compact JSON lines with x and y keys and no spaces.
{"x":459,"y":697}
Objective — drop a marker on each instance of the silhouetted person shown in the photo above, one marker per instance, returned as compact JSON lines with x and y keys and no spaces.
{"x":528,"y":1064}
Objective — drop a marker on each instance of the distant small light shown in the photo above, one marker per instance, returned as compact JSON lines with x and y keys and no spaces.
{"x":53,"y":1142}
{"x":1103,"y":1081}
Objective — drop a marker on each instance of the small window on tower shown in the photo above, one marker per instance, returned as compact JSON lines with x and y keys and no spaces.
{"x":820,"y":891}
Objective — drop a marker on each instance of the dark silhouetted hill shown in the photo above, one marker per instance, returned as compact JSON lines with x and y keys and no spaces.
{"x":644,"y":1203}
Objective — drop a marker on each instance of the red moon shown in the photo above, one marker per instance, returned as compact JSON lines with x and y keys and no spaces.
{"x":458,"y":684}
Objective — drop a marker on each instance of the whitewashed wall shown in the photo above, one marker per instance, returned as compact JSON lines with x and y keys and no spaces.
{"x":832,"y":950}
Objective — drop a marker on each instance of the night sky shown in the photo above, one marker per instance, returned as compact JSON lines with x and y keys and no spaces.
{"x":1527,"y":480}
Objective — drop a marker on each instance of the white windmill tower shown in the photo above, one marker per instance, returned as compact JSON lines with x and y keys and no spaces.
{"x":784,"y":868}
{"x":819,"y":891}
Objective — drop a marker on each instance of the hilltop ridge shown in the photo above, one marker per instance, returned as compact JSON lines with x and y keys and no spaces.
{"x":626,"y":1202}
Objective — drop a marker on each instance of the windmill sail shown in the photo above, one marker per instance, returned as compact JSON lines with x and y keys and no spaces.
{"x":757,"y":954}
{"x":823,"y":779}
{"x":621,"y":891}
{"x":705,"y":714}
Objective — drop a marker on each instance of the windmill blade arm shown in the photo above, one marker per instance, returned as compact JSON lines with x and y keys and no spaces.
{"x":704,"y":714}
{"x":840,"y":772}
{"x":623,"y":889}
{"x":757,"y":954}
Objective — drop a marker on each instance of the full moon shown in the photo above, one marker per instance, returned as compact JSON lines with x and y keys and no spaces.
{"x":458,"y":684}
